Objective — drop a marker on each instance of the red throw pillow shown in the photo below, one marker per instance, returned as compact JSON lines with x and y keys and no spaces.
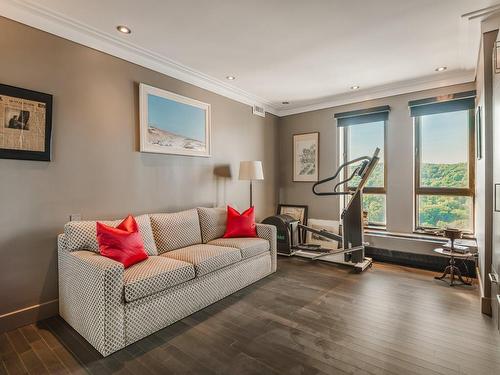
{"x":240,"y":225}
{"x":123,"y":243}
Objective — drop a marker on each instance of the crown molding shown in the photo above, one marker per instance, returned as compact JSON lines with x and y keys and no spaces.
{"x":47,"y":20}
{"x":397,"y":88}
{"x":39,"y":17}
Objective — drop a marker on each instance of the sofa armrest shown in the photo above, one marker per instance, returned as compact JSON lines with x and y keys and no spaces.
{"x":91,"y":297}
{"x":268,"y":232}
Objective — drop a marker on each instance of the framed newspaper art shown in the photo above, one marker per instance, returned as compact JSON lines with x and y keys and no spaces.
{"x":25,"y":124}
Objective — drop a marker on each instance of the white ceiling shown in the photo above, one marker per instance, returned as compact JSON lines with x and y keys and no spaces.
{"x":306,"y":52}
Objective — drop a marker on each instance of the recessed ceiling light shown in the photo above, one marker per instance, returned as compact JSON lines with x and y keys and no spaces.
{"x":123,"y":29}
{"x":355,"y":87}
{"x":441,"y":69}
{"x":231,"y":78}
{"x":285,"y":103}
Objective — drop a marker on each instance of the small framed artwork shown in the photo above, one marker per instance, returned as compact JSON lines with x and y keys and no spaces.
{"x":497,"y":197}
{"x":479,"y":134}
{"x":306,"y":157}
{"x":25,"y":124}
{"x":298,"y":212}
{"x":173,"y":124}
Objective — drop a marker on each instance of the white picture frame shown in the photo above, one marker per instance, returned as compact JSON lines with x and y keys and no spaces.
{"x":306,"y":157}
{"x":173,"y":124}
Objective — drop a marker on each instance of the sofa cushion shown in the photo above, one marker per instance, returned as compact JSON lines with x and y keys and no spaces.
{"x":240,"y":224}
{"x":123,"y":243}
{"x":249,"y":247}
{"x":82,"y":235}
{"x":206,"y":258}
{"x":154,"y":275}
{"x":176,"y":230}
{"x":212,"y":223}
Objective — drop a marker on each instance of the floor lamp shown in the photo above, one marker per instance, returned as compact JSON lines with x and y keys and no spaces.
{"x":251,"y":170}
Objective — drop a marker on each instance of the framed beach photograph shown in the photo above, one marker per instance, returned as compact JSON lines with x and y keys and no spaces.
{"x":306,"y":157}
{"x":25,"y":124}
{"x":173,"y":124}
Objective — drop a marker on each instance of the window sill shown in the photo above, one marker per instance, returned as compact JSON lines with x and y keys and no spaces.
{"x":375,"y":228}
{"x":466,"y":236}
{"x":419,"y":236}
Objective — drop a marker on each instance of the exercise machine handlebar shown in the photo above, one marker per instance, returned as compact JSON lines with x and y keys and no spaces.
{"x":366,"y":160}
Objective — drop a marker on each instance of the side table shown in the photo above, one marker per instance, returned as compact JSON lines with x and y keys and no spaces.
{"x":451,"y":269}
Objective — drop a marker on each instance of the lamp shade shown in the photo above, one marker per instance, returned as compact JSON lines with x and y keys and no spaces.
{"x":251,"y":170}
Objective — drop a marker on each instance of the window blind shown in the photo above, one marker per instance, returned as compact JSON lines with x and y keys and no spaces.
{"x":362,"y":116}
{"x":449,"y":103}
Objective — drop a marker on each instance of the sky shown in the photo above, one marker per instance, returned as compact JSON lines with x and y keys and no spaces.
{"x":365,"y":138}
{"x":179,"y":118}
{"x":444,"y":138}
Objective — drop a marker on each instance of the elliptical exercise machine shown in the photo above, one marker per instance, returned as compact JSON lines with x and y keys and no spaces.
{"x":352,"y":251}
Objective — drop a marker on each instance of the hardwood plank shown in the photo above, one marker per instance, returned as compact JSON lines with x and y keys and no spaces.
{"x":18,"y":341}
{"x":32,"y":363}
{"x":10,"y":358}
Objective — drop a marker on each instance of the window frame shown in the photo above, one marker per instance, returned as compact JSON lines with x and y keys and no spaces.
{"x":367,"y":190}
{"x":457,"y":192}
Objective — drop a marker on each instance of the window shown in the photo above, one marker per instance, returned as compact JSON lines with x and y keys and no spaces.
{"x":444,"y":163}
{"x":362,"y":132}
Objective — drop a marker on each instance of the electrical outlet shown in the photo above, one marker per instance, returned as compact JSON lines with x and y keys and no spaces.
{"x":75,"y":217}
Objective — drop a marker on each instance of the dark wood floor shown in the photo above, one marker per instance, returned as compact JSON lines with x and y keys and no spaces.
{"x":308,"y":318}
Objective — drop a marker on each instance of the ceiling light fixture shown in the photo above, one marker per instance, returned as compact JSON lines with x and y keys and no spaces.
{"x":355,"y":87}
{"x":123,"y":29}
{"x":441,"y":69}
{"x":231,"y":78}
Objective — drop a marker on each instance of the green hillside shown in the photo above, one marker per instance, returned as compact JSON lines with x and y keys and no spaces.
{"x":434,"y":211}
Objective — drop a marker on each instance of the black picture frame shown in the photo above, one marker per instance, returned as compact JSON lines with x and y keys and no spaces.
{"x":479,"y":134}
{"x":496,"y":58}
{"x":17,"y":92}
{"x":497,"y":198}
{"x":305,"y":208}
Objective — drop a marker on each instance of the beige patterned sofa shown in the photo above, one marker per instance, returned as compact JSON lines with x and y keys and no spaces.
{"x":190,"y":267}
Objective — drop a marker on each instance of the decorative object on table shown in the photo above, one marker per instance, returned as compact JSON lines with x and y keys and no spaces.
{"x":366,"y":222}
{"x":497,"y":197}
{"x":479,"y":134}
{"x":451,"y":269}
{"x":297,"y":211}
{"x":25,"y":124}
{"x":323,"y":242}
{"x":306,"y":157}
{"x":173,"y":124}
{"x":240,"y":225}
{"x":251,"y":170}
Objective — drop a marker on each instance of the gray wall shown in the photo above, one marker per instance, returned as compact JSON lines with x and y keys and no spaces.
{"x":97,"y":170}
{"x":400,"y":158}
